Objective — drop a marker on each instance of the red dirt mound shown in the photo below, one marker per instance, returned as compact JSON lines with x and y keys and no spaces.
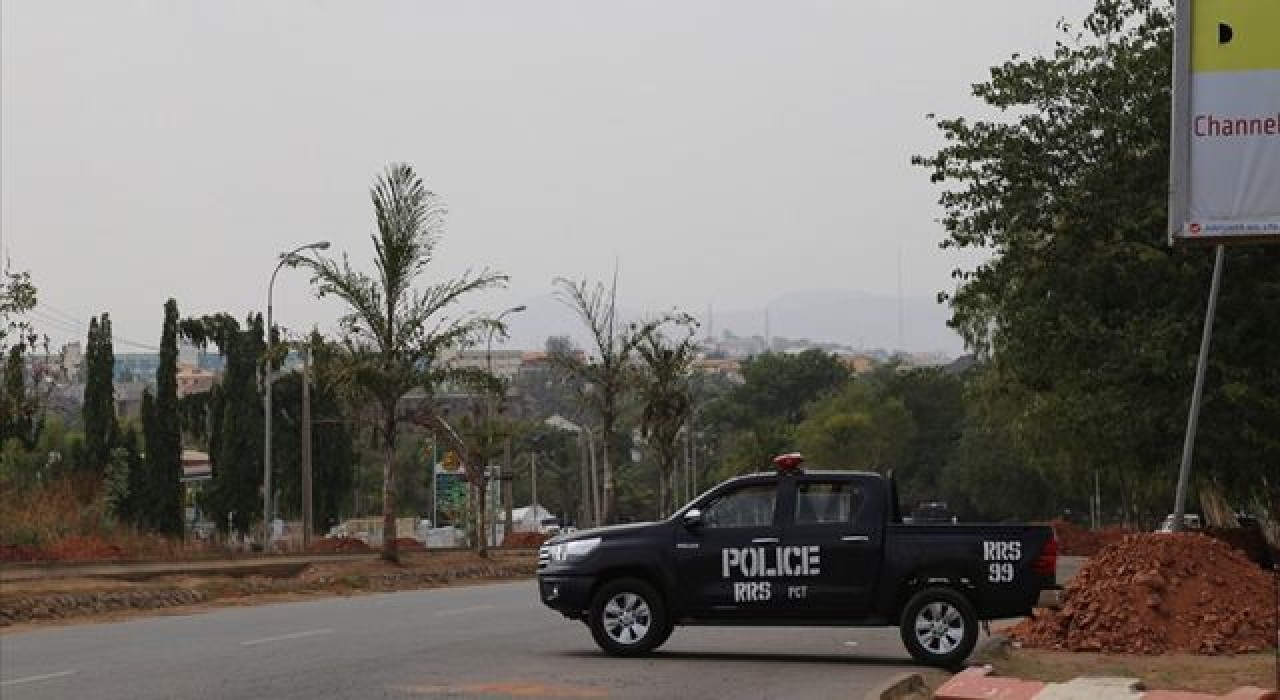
{"x":339,"y":545}
{"x":1160,"y":593}
{"x":524,"y":540}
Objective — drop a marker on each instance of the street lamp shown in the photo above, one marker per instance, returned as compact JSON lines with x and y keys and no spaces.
{"x":266,"y":398}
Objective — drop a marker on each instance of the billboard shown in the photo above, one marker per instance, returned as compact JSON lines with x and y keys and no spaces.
{"x":1225,"y":170}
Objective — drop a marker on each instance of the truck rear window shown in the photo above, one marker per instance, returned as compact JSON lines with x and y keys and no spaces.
{"x":822,"y":502}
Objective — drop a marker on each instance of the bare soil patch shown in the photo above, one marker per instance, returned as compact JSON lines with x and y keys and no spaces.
{"x":1206,"y":674}
{"x":44,"y":601}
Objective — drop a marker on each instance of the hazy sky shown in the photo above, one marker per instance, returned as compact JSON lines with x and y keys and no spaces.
{"x":723,"y":152}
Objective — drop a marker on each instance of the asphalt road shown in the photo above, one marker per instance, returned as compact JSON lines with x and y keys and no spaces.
{"x":480,"y":641}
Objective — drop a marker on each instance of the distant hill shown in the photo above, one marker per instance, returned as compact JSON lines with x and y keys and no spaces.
{"x":850,"y":317}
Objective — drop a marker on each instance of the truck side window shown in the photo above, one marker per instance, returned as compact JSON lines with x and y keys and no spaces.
{"x":824,"y":502}
{"x":749,"y":506}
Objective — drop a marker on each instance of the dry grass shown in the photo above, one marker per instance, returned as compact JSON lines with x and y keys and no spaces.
{"x":67,"y":519}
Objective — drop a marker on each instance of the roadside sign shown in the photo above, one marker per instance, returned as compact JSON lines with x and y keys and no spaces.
{"x":1225,"y":148}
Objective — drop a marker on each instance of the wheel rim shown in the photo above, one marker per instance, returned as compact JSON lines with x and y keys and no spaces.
{"x":939,"y":627}
{"x":627,"y":618}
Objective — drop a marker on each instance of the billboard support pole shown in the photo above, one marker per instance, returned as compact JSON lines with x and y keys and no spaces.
{"x":1197,"y":394}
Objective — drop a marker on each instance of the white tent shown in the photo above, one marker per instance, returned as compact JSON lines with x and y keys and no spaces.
{"x":530,"y":518}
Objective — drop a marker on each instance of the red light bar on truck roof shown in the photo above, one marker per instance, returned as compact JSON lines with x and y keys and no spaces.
{"x":789,"y":462}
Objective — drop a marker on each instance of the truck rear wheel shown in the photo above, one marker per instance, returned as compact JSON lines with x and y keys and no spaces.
{"x":939,"y":627}
{"x":628,"y":618}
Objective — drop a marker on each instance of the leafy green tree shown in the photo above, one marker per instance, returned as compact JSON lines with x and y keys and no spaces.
{"x":333,"y":447}
{"x":935,"y":399}
{"x":857,"y":429}
{"x":757,"y":419}
{"x":1084,"y":311}
{"x":234,"y":418}
{"x":664,"y":391}
{"x":101,"y":431}
{"x":23,"y":397}
{"x":781,"y":385}
{"x":396,"y":336}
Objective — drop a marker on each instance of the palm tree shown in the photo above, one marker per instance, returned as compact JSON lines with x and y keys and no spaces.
{"x":664,"y":391}
{"x":608,"y":374}
{"x":395,"y":335}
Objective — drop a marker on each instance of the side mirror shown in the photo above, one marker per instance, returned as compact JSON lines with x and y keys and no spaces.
{"x":692,"y":518}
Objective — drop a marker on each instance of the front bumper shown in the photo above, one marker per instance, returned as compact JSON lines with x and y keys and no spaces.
{"x":568,"y":595}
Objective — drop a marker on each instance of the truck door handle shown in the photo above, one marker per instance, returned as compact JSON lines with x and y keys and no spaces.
{"x":765,"y":540}
{"x":855,"y":538}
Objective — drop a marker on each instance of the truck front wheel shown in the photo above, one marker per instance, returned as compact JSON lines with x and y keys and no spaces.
{"x":939,"y":627}
{"x":628,"y":618}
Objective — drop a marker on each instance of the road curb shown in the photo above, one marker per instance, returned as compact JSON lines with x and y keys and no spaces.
{"x":900,"y":686}
{"x":978,"y":684}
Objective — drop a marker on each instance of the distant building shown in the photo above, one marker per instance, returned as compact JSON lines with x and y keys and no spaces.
{"x":505,"y":363}
{"x":859,"y":364}
{"x":728,"y":368}
{"x":193,"y":380}
{"x":72,"y":361}
{"x":129,"y":399}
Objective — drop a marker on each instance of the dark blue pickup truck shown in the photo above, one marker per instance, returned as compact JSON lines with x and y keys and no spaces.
{"x":798,"y":548}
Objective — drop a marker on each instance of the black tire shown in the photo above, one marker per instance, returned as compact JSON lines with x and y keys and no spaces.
{"x":939,"y":627}
{"x":628,"y":618}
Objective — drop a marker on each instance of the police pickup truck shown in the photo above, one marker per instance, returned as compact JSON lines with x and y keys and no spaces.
{"x":798,"y":548}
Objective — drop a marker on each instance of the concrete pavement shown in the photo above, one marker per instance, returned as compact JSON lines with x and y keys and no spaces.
{"x":480,"y":641}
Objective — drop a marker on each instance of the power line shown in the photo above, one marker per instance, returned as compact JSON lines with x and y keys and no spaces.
{"x":68,"y":323}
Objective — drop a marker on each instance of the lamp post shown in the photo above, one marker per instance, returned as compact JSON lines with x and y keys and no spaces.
{"x":266,"y":392}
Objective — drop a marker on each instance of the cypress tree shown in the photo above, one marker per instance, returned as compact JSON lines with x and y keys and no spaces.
{"x":132,"y":509}
{"x":101,"y":431}
{"x":168,"y":459}
{"x":142,"y":489}
{"x":162,"y":430}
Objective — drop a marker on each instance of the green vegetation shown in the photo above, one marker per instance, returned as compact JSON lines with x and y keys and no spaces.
{"x":395,"y":335}
{"x":1083,"y":321}
{"x":1087,"y":322}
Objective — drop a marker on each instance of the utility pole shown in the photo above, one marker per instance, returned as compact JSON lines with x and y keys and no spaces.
{"x":533,"y":471}
{"x":307,"y":524}
{"x":507,"y":471}
{"x":587,"y":509}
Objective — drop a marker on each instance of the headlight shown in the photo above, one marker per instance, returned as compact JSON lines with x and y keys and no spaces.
{"x":574,"y":549}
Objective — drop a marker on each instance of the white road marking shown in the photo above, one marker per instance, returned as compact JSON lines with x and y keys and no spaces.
{"x":460,"y":611}
{"x":33,"y":679}
{"x":851,"y":644}
{"x":295,"y":635}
